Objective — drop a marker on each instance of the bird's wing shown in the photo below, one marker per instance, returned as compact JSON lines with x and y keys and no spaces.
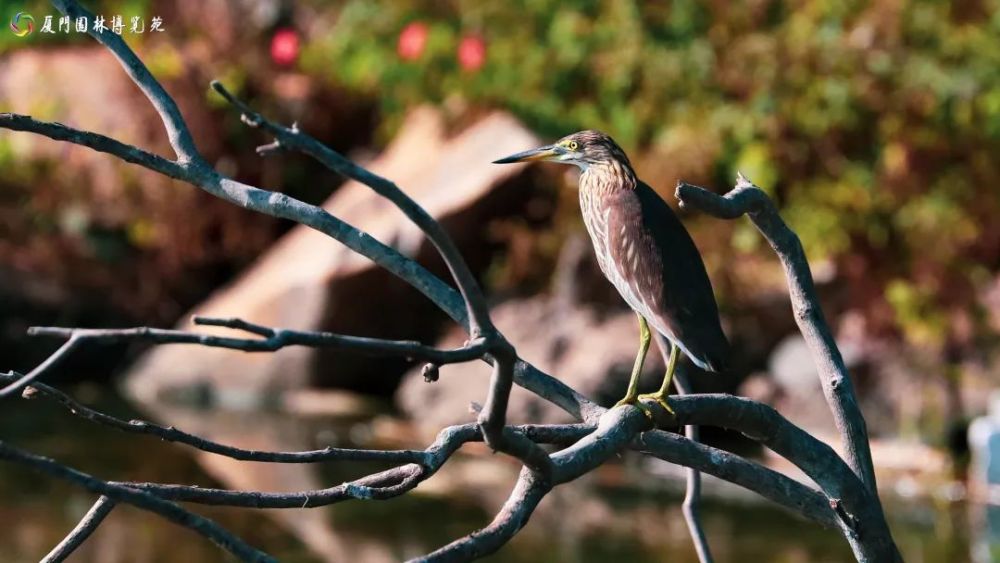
{"x":660,"y":267}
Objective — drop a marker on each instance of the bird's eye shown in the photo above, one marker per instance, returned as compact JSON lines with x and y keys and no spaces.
{"x":572,"y":145}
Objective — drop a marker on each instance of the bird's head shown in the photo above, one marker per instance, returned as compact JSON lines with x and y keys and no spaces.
{"x":584,"y":149}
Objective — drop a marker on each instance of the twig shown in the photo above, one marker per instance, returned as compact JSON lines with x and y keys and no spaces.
{"x":177,"y":131}
{"x":171,"y":434}
{"x":23,"y":381}
{"x":141,"y":499}
{"x":280,"y":205}
{"x":493,"y":417}
{"x":90,"y":521}
{"x":272,"y":339}
{"x":292,"y":138}
{"x":691,"y":507}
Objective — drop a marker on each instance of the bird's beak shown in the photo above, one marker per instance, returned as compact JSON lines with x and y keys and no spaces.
{"x":541,"y":153}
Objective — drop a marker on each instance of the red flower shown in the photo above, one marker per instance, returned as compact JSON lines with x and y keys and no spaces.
{"x":471,"y":52}
{"x":412,"y":41}
{"x":285,"y":47}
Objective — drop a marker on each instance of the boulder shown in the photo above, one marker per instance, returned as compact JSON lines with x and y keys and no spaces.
{"x":590,"y":352}
{"x":307,"y":281}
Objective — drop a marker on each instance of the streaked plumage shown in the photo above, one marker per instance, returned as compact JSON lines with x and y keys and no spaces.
{"x":651,"y":260}
{"x":642,"y":248}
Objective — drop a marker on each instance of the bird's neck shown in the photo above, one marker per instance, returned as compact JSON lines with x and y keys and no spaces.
{"x":606,"y":178}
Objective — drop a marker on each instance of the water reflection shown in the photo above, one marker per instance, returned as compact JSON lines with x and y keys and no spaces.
{"x":625,"y":511}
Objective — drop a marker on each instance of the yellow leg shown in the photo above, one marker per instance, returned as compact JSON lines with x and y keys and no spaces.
{"x":632,"y":395}
{"x":661,"y":395}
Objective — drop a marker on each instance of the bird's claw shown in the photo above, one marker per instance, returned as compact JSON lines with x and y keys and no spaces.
{"x":634,"y":401}
{"x":659,"y":398}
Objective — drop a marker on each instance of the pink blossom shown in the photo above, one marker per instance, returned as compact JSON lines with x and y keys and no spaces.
{"x":412,"y":41}
{"x":285,"y":47}
{"x":471,"y":52}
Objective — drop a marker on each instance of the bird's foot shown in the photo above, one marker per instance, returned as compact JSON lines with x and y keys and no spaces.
{"x":659,"y":397}
{"x":634,"y":401}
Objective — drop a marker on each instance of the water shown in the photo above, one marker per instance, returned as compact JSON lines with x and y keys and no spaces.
{"x":621,"y":512}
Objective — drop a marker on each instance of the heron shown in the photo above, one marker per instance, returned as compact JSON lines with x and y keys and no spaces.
{"x":646,"y":253}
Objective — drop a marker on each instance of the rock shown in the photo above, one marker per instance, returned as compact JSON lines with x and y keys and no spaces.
{"x":591,"y":353}
{"x":792,"y":384}
{"x":793,"y":369}
{"x":308,"y":281}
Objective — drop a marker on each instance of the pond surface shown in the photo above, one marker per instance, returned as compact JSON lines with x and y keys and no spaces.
{"x":624,"y":512}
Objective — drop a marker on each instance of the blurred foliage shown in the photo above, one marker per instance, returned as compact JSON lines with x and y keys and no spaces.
{"x":876,"y":125}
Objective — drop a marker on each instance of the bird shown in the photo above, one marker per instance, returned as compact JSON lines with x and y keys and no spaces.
{"x":644,"y":250}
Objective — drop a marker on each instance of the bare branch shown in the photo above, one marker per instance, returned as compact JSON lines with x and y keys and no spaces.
{"x":378,"y":486}
{"x":691,"y":507}
{"x":279,"y":205}
{"x":748,"y":199}
{"x":293,"y":138}
{"x":614,"y":432}
{"x":141,"y":499}
{"x":527,"y":493}
{"x":90,"y":521}
{"x":177,"y":131}
{"x":493,"y":417}
{"x":272,"y":339}
{"x":818,"y":460}
{"x":53,"y":360}
{"x":171,"y":434}
{"x":789,"y":493}
{"x":95,"y":141}
{"x":759,"y":479}
{"x":850,"y":500}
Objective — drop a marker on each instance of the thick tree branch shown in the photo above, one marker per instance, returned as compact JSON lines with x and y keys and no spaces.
{"x":862,"y":518}
{"x":748,"y":199}
{"x":780,"y":489}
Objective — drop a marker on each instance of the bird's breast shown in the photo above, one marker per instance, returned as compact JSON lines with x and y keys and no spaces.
{"x":595,"y":218}
{"x":596,"y":211}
